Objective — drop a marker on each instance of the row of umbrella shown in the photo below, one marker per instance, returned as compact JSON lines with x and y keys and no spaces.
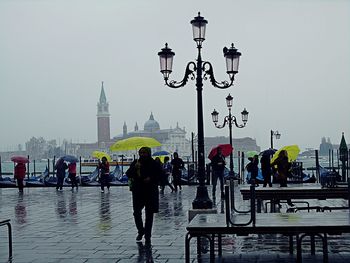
{"x":226,"y":149}
{"x":135,"y":143}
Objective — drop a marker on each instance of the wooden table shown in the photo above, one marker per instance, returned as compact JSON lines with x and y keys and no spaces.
{"x":290,"y":224}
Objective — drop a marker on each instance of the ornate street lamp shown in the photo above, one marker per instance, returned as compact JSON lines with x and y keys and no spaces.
{"x":200,"y":70}
{"x":277,"y":136}
{"x":230,"y":119}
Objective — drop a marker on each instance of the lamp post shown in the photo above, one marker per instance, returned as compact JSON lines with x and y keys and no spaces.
{"x":230,"y":120}
{"x":199,"y":70}
{"x":276,"y":134}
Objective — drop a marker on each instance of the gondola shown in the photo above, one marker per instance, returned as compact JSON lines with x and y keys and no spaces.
{"x":7,"y":182}
{"x":91,"y":179}
{"x":116,"y":177}
{"x":52,"y":181}
{"x":36,"y":181}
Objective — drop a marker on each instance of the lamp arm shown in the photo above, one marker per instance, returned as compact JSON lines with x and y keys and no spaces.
{"x":234,"y":121}
{"x":188,"y":73}
{"x":223,"y":124}
{"x":208,"y":69}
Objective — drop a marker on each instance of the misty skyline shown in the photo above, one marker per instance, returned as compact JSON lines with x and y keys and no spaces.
{"x":293,"y":75}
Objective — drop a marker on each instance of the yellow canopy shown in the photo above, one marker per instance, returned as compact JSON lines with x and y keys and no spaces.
{"x":99,"y":155}
{"x":134,"y":143}
{"x":292,"y":150}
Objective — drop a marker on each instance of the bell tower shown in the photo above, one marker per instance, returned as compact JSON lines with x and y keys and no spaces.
{"x":103,"y":126}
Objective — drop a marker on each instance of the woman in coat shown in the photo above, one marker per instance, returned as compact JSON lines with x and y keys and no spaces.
{"x":19,"y":174}
{"x":104,"y":174}
{"x":144,"y":174}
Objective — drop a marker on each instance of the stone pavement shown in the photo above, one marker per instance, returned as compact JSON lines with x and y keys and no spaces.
{"x":89,"y":226}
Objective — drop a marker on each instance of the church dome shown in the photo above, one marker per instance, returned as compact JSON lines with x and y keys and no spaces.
{"x":151,"y":125}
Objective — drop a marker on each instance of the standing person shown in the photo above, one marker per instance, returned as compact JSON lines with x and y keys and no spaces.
{"x":252,"y":167}
{"x":177,"y":166}
{"x":72,"y":173}
{"x":166,"y":173}
{"x":266,"y":169}
{"x":218,"y":166}
{"x":104,"y":174}
{"x":61,"y":168}
{"x":283,"y":167}
{"x":19,"y":174}
{"x":144,"y":174}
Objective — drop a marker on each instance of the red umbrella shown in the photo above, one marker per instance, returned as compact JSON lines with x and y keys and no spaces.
{"x":226,"y":150}
{"x":19,"y":159}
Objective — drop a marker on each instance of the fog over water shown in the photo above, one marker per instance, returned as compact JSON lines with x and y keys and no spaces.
{"x":293,"y":76}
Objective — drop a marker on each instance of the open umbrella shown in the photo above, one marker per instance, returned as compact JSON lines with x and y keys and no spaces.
{"x":19,"y":159}
{"x":292,"y":150}
{"x":161,"y":153}
{"x":99,"y":155}
{"x":70,"y":159}
{"x":268,"y":152}
{"x":134,"y":143}
{"x":226,"y":150}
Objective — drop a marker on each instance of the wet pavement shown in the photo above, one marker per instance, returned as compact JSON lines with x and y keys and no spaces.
{"x":89,"y":226}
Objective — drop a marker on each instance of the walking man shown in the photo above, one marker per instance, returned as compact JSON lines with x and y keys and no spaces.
{"x":218,"y":167}
{"x":144,"y":174}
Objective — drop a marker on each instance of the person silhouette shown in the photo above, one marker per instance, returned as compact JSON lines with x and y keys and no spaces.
{"x":144,"y":173}
{"x":218,"y":167}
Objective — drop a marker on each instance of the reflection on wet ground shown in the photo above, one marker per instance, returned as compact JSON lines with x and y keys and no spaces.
{"x":89,"y":226}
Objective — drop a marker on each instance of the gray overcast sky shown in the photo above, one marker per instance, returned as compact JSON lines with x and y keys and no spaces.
{"x":293,"y":76}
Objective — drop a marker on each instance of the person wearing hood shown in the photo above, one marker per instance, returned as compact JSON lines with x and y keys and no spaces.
{"x":144,"y":174}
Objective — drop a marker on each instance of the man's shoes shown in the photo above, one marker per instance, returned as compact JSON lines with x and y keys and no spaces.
{"x":139,"y":237}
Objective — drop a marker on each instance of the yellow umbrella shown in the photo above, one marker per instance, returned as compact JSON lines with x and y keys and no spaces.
{"x":99,"y":155}
{"x":134,"y":143}
{"x":292,"y":150}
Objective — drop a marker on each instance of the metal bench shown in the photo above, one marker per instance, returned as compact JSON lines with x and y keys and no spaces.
{"x":9,"y":230}
{"x":313,"y":224}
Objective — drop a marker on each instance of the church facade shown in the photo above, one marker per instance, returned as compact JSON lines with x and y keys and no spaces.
{"x":172,"y":139}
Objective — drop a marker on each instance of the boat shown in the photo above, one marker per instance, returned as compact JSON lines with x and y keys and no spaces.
{"x":116,"y":177}
{"x":36,"y":181}
{"x":7,"y":182}
{"x":91,"y":179}
{"x":52,"y":180}
{"x":117,"y":161}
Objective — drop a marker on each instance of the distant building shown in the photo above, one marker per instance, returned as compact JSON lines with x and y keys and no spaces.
{"x":172,"y":139}
{"x":325,"y":146}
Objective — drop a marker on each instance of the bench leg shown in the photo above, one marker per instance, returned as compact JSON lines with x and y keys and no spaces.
{"x":312,"y":244}
{"x":219,"y":244}
{"x":325,"y":248}
{"x":10,"y":239}
{"x":212,"y":252}
{"x":187,"y":248}
{"x":299,"y":257}
{"x":258,"y":205}
{"x":291,"y":245}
